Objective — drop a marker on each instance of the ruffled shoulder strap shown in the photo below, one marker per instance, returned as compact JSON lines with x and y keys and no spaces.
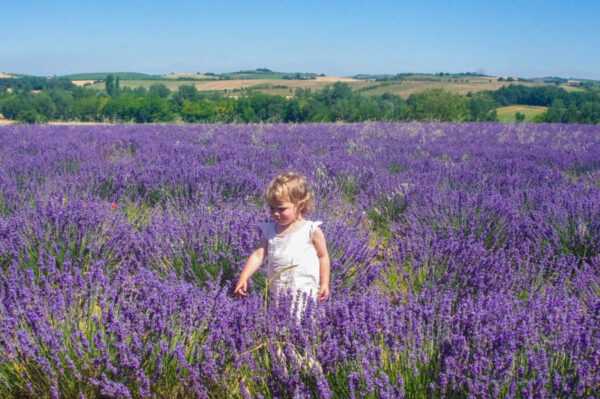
{"x":313,"y":226}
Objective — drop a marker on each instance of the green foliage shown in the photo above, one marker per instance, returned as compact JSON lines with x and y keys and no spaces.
{"x":62,"y":100}
{"x":349,"y":187}
{"x":185,"y":92}
{"x":109,"y":85}
{"x":519,"y":117}
{"x":387,"y":209}
{"x":438,"y":105}
{"x":44,"y":106}
{"x":16,"y":104}
{"x":482,"y":107}
{"x":154,"y":108}
{"x":395,"y":168}
{"x":124,"y":107}
{"x":28,"y":116}
{"x":88,"y":109}
{"x":198,"y":111}
{"x":540,"y":118}
{"x":28,"y":83}
{"x":160,"y":89}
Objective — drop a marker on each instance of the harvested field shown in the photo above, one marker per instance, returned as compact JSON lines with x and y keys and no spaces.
{"x":195,"y":76}
{"x":333,"y":79}
{"x":83,"y":82}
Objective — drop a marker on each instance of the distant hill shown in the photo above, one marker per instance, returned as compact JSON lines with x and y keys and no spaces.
{"x":120,"y":75}
{"x":419,"y":76}
{"x":264,"y":73}
{"x":261,"y":73}
{"x":9,"y":75}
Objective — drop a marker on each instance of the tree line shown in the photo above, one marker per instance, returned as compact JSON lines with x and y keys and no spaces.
{"x":38,"y":100}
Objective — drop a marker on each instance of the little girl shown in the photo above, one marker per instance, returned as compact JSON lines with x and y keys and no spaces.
{"x":295,"y":247}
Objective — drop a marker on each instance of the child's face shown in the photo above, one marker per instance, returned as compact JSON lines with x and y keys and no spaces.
{"x":284,"y":212}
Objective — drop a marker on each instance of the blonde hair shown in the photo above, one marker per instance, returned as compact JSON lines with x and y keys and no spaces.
{"x":291,"y":187}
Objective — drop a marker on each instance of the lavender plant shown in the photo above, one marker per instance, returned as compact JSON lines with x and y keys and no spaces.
{"x":465,"y":262}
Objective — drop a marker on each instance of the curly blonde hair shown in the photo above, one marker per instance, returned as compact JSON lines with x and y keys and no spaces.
{"x":291,"y":187}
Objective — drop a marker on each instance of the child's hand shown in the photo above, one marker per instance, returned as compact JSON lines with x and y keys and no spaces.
{"x":323,"y":293}
{"x":241,"y":288}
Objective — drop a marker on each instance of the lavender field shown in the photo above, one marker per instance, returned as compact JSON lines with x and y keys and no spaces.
{"x":465,"y":262}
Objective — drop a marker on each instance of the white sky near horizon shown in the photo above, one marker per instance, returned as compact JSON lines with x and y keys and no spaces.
{"x":343,"y":38}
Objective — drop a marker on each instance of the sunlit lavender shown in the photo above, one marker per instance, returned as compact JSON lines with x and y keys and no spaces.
{"x":465,"y":262}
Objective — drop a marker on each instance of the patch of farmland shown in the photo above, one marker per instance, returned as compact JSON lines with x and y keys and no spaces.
{"x":405,"y":88}
{"x":87,"y":82}
{"x":192,"y":76}
{"x":507,"y":114}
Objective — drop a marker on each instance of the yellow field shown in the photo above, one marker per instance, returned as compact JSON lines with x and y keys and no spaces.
{"x":4,"y":75}
{"x":82,"y":82}
{"x":507,"y":114}
{"x":195,"y":76}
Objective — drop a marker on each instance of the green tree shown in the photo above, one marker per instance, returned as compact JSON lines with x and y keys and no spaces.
{"x":88,"y":109}
{"x":185,"y":92}
{"x":154,"y":108}
{"x":481,"y":107}
{"x":292,"y":112}
{"x":268,"y":108}
{"x":16,"y":104}
{"x":160,"y":89}
{"x":109,"y":85}
{"x":540,"y":118}
{"x":198,"y":111}
{"x":340,"y":90}
{"x":317,"y":111}
{"x":437,"y":105}
{"x":44,"y":106}
{"x":244,"y":111}
{"x":557,"y":113}
{"x":62,"y":101}
{"x":124,"y":107}
{"x":520,"y":117}
{"x":28,"y":116}
{"x":225,"y":110}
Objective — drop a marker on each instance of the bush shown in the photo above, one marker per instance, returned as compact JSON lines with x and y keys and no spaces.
{"x":520,"y":117}
{"x":28,"y":116}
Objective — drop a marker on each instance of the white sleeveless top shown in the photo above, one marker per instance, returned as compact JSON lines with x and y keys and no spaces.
{"x":292,"y":249}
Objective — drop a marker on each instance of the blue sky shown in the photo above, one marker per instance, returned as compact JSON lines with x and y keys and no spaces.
{"x":503,"y":38}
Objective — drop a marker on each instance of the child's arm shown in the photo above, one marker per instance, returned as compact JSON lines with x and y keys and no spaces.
{"x":252,"y":264}
{"x":318,"y":240}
